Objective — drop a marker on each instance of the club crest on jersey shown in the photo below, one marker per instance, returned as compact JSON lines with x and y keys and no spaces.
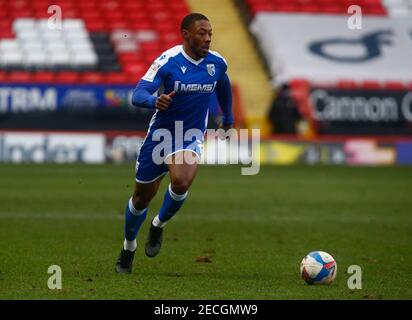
{"x":211,"y":69}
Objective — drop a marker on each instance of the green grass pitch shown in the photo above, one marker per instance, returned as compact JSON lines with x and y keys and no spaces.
{"x":253,"y":230}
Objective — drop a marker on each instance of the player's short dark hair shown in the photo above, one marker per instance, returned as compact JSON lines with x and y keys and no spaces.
{"x":191,"y":18}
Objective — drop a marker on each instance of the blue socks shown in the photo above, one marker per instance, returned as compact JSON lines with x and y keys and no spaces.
{"x":134,"y":220}
{"x":172,"y":202}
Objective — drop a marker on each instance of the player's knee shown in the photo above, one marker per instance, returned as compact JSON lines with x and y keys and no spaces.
{"x":141,"y":201}
{"x":180,"y":186}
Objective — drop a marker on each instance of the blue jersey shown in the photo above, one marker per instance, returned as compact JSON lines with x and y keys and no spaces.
{"x":194,"y":83}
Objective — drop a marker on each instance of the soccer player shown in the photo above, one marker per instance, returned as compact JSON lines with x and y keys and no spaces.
{"x":179,"y":85}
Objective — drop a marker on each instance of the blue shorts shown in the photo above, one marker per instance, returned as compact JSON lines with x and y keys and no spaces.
{"x":149,"y":169}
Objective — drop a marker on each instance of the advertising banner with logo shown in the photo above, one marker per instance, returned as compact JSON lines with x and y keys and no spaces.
{"x":97,"y":148}
{"x":350,"y":111}
{"x":16,"y":98}
{"x":31,"y":147}
{"x":83,"y":107}
{"x":322,"y":48}
{"x":371,"y":152}
{"x":123,"y":147}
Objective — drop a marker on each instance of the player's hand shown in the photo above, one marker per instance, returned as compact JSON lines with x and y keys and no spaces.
{"x":225,"y":127}
{"x":164,"y":100}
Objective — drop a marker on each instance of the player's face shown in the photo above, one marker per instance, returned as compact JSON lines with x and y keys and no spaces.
{"x":199,"y":37}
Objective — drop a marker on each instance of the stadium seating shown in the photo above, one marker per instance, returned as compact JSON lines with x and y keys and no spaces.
{"x":99,"y":41}
{"x":369,"y":7}
{"x":374,"y":7}
{"x":320,"y":8}
{"x":357,"y":85}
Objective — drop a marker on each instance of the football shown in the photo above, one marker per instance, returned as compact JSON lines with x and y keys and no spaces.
{"x":318,"y":267}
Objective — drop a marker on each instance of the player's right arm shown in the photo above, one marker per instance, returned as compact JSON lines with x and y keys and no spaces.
{"x":143,"y":93}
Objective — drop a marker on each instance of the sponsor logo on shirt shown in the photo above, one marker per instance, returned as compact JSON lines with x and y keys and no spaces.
{"x":194,"y":87}
{"x":151,"y":73}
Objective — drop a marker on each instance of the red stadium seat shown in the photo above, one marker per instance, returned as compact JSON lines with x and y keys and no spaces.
{"x":299,"y":83}
{"x":287,"y":8}
{"x":375,"y":11}
{"x":348,"y":3}
{"x":6,"y":23}
{"x":313,"y":6}
{"x":166,"y":27}
{"x":67,"y":77}
{"x":394,"y":85}
{"x":91,"y":77}
{"x":4,"y":13}
{"x":43,"y":77}
{"x":136,"y":15}
{"x":19,"y":76}
{"x":326,"y":2}
{"x":21,"y":13}
{"x":303,"y":2}
{"x":156,"y":7}
{"x":19,"y":4}
{"x":261,"y":8}
{"x":140,"y":25}
{"x":40,"y":14}
{"x":95,"y":26}
{"x":87,"y":6}
{"x":115,"y":78}
{"x":129,"y":58}
{"x":133,"y":6}
{"x":133,"y":78}
{"x":89,"y":14}
{"x":6,"y":33}
{"x":150,"y":47}
{"x":3,"y":76}
{"x":113,"y":15}
{"x":371,"y":84}
{"x":347,"y":84}
{"x":109,"y":5}
{"x":309,"y":8}
{"x":136,"y":68}
{"x":118,"y":25}
{"x":332,"y":9}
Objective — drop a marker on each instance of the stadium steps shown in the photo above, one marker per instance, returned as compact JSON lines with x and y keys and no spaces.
{"x":231,"y":39}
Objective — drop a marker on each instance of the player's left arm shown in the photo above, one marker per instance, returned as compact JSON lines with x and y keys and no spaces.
{"x":224,"y":97}
{"x":143,"y":94}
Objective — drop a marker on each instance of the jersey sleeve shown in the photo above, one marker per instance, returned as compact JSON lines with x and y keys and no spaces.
{"x":144,"y":93}
{"x":224,"y":97}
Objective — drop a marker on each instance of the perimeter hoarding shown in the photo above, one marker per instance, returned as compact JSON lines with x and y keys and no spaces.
{"x":352,"y":151}
{"x":123,"y":147}
{"x":359,"y":111}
